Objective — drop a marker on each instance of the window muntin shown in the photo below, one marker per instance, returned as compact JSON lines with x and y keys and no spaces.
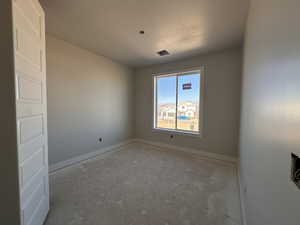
{"x":177,"y":102}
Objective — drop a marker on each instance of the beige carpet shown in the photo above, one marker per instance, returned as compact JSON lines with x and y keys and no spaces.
{"x":145,"y":185}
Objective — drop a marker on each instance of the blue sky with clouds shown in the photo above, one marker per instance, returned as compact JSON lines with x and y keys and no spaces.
{"x":166,"y":89}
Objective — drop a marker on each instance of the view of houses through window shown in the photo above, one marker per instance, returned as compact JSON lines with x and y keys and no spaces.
{"x":177,"y":102}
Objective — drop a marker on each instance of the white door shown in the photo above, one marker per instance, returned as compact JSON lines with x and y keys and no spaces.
{"x":31,"y":102}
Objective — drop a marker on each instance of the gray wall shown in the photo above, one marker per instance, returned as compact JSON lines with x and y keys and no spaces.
{"x":89,"y":96}
{"x":270,"y":128}
{"x":9,"y":187}
{"x":222,"y":103}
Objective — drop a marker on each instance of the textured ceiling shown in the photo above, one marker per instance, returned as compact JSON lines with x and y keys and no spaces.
{"x":183,"y":27}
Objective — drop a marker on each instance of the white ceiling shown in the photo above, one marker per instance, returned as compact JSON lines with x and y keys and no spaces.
{"x":183,"y":27}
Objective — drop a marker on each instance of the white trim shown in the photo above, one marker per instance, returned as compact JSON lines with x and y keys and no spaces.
{"x":202,"y":100}
{"x":176,"y":107}
{"x":242,"y":199}
{"x":178,"y":132}
{"x":78,"y":159}
{"x":183,"y":70}
{"x":204,"y":154}
{"x":154,"y":102}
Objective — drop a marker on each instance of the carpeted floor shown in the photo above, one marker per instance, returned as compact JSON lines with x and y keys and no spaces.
{"x":145,"y":185}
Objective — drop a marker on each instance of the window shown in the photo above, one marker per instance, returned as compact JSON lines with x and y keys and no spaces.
{"x":178,"y":102}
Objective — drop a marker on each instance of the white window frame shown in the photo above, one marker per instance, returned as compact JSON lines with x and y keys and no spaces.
{"x":201,"y":103}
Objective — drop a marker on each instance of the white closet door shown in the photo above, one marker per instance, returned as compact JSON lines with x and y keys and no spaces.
{"x":30,"y":75}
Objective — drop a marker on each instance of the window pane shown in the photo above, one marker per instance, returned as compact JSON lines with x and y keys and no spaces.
{"x":188,"y":102}
{"x":166,"y":102}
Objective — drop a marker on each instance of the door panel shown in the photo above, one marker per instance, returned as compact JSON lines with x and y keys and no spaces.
{"x":41,"y":213}
{"x":32,"y":166}
{"x":24,"y":23}
{"x":28,"y":149}
{"x":26,"y":47}
{"x":29,"y":90}
{"x":33,"y":203}
{"x":32,"y":13}
{"x":30,"y":128}
{"x":29,"y":110}
{"x":30,"y":76}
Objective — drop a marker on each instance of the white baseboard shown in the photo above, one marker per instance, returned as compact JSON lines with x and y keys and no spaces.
{"x":78,"y":159}
{"x":204,"y":154}
{"x":242,"y":199}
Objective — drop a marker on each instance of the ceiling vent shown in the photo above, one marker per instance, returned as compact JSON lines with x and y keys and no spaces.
{"x":163,"y":53}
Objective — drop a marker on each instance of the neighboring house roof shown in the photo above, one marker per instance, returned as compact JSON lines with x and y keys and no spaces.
{"x":182,"y":107}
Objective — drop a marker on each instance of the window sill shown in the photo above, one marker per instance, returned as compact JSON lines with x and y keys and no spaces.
{"x":178,"y":132}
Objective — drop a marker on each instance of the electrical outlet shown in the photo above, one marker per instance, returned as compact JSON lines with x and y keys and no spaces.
{"x":295,"y":173}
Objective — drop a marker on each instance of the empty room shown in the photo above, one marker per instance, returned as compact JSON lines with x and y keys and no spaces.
{"x":158,"y":112}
